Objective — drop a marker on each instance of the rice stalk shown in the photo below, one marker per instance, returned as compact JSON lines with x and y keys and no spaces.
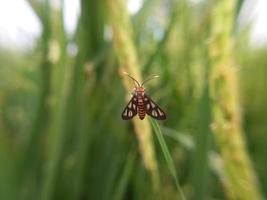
{"x":127,"y":56}
{"x":240,"y":179}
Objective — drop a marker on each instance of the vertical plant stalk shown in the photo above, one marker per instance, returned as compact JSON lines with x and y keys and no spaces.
{"x":90,"y":39}
{"x":240,"y":180}
{"x":56,"y":128}
{"x":126,"y":52}
{"x":28,"y":160}
{"x":203,"y":141}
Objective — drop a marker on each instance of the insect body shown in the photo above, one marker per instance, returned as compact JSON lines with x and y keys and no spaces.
{"x":140,"y":103}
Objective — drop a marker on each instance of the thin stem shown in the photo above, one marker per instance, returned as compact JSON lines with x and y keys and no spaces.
{"x":167,"y":157}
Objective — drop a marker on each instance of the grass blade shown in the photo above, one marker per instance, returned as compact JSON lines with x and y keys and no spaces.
{"x":202,"y":144}
{"x":124,"y":179}
{"x":167,"y":157}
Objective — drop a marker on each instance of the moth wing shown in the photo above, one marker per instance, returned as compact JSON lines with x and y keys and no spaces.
{"x":153,"y":109}
{"x":130,"y":110}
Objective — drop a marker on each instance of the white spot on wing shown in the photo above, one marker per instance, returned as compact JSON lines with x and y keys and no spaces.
{"x":154,"y":113}
{"x":148,"y":106}
{"x":160,"y":113}
{"x":130,"y":105}
{"x":153,"y":105}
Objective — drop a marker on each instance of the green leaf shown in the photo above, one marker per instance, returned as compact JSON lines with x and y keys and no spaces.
{"x":167,"y":157}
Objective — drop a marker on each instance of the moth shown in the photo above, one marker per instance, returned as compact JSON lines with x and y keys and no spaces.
{"x":142,"y":104}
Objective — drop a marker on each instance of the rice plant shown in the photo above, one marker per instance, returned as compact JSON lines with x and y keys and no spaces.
{"x":61,"y":131}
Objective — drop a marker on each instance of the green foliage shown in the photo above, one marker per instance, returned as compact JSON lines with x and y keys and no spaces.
{"x":61,"y":134}
{"x":167,"y":157}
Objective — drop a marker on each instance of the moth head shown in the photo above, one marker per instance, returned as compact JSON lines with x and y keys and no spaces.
{"x":140,"y":89}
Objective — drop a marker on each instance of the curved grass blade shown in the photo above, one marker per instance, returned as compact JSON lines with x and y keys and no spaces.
{"x":167,"y":157}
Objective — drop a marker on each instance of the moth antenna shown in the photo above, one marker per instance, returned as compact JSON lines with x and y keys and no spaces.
{"x":135,"y":81}
{"x":153,"y":77}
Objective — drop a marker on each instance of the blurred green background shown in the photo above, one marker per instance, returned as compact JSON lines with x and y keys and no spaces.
{"x":61,"y":98}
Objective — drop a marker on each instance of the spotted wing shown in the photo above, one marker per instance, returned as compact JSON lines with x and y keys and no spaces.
{"x":153,"y":109}
{"x":130,"y":110}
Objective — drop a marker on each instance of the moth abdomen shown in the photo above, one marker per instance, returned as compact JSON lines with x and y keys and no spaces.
{"x":141,"y":108}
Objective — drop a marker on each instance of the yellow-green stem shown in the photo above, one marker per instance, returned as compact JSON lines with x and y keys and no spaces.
{"x":126,"y":52}
{"x":240,"y":180}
